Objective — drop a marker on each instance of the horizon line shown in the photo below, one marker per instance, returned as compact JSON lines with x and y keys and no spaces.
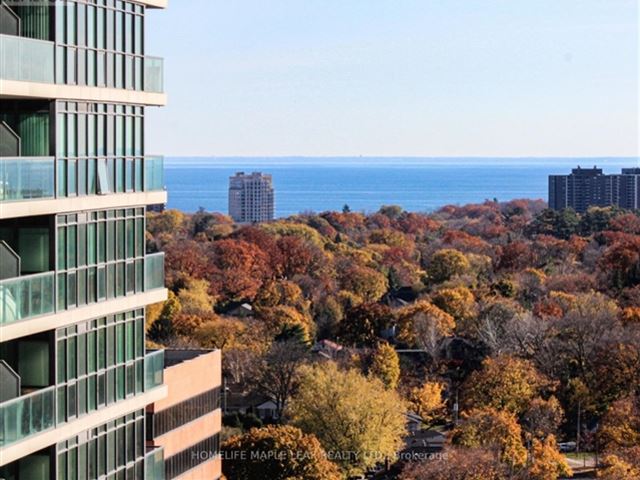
{"x":480,"y":157}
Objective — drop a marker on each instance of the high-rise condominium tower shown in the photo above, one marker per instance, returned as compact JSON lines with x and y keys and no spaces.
{"x":75,"y":180}
{"x":251,"y":197}
{"x":588,"y":187}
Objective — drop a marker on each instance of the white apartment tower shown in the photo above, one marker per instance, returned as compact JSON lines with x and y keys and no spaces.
{"x":251,"y":197}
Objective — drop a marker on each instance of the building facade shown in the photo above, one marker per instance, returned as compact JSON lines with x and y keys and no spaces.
{"x":187,"y":423}
{"x":251,"y":197}
{"x":75,"y":278}
{"x":588,"y":187}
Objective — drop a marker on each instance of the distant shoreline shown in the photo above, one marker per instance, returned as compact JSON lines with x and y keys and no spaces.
{"x":321,"y":184}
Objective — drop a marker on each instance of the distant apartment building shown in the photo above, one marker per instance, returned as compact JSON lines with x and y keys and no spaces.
{"x":251,"y":197}
{"x":75,"y":278}
{"x":589,"y":187}
{"x":186,"y":424}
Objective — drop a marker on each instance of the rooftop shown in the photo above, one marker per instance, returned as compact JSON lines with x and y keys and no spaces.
{"x":176,"y":356}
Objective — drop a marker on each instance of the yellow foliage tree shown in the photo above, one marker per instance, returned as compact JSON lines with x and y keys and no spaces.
{"x":167,"y":222}
{"x":282,"y":292}
{"x":222,"y":333}
{"x":504,"y":383}
{"x":355,"y":418}
{"x":548,"y":463}
{"x":281,"y":316}
{"x":385,"y":365}
{"x":457,"y":302}
{"x":617,"y":467}
{"x":424,"y":325}
{"x":494,"y":430}
{"x":543,"y":417}
{"x":195,"y":298}
{"x":621,"y":424}
{"x":282,"y":228}
{"x":447,"y":263}
{"x":365,"y":282}
{"x":427,"y":402}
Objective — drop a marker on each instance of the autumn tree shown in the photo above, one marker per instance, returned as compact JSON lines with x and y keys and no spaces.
{"x":445,"y":264}
{"x":424,"y":325}
{"x":457,"y":464}
{"x":621,"y":424}
{"x":622,"y":465}
{"x":238,"y":269}
{"x":495,"y":324}
{"x":592,"y":321}
{"x":185,"y":259}
{"x":615,"y":366}
{"x":427,"y":401}
{"x":328,"y":312}
{"x":194,"y":297}
{"x":458,"y":302}
{"x":166,"y":223}
{"x":543,"y":417}
{"x":277,"y":378}
{"x":620,"y":263}
{"x":548,"y":463}
{"x":162,"y":328}
{"x":364,"y":323}
{"x":277,"y":453}
{"x":349,"y":412}
{"x":365,"y":282}
{"x":497,"y":431}
{"x":211,"y":225}
{"x":283,"y":316}
{"x":283,"y":292}
{"x":222,"y":333}
{"x":504,"y":383}
{"x":298,"y":257}
{"x":561,"y":224}
{"x":385,"y":365}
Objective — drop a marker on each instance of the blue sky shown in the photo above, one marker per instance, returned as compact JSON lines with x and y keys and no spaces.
{"x":397,"y":77}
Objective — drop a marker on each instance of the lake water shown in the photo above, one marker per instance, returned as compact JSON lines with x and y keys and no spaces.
{"x":416,"y":184}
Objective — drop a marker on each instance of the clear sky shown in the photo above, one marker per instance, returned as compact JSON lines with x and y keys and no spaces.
{"x":397,"y":77}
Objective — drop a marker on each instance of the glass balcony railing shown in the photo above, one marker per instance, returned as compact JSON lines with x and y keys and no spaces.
{"x":154,"y":464}
{"x":153,"y":74}
{"x":35,"y":412}
{"x":22,"y":298}
{"x":26,"y":297}
{"x":29,"y":60}
{"x":26,"y":178}
{"x":153,"y":174}
{"x":153,"y":369}
{"x":27,"y":415}
{"x":26,"y":59}
{"x":154,"y":271}
{"x":34,"y":178}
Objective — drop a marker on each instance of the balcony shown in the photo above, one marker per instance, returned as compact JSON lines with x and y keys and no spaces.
{"x":27,"y":415}
{"x":154,"y":369}
{"x":31,"y":296}
{"x":153,"y":174}
{"x":154,"y":271}
{"x":27,"y":297}
{"x":26,"y":178}
{"x":28,"y":60}
{"x":38,"y":180}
